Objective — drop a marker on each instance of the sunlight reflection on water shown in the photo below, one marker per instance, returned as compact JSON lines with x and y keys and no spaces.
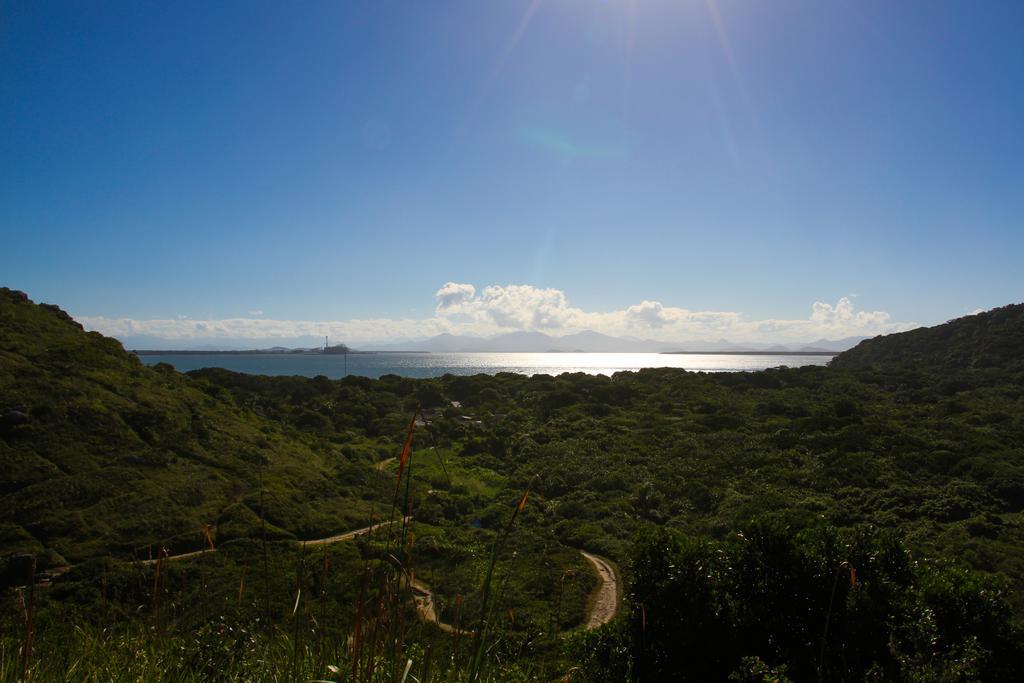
{"x":437,"y":364}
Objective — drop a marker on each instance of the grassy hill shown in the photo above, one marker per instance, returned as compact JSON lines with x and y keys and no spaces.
{"x":102,"y":455}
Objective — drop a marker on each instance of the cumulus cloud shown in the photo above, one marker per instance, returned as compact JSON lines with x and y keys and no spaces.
{"x":497,"y":309}
{"x":650,"y":313}
{"x":523,"y":307}
{"x":452,"y":295}
{"x":843,"y":315}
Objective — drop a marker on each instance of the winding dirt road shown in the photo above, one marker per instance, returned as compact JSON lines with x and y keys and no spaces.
{"x":347,"y":536}
{"x":604,"y":603}
{"x":602,"y":606}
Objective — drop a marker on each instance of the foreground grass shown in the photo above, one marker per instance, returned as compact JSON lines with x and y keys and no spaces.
{"x":222,"y":653}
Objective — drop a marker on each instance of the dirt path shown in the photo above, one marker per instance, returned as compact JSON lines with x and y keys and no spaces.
{"x":427,"y":610}
{"x":605,"y":600}
{"x":182,"y":556}
{"x":347,"y":536}
{"x":383,"y":464}
{"x":604,"y":603}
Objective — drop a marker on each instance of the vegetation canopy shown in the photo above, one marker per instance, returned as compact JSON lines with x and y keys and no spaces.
{"x":860,"y":521}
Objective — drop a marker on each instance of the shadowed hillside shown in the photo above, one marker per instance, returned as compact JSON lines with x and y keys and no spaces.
{"x":994,"y":339}
{"x":100,"y":454}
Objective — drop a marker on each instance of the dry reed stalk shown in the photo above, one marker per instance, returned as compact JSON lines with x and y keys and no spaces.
{"x":296,"y":617}
{"x":406,"y":451}
{"x":433,"y":447}
{"x":241,"y":583}
{"x":209,"y":538}
{"x":458,"y":626}
{"x":486,"y":606}
{"x":403,"y":566}
{"x":378,"y":637}
{"x":828,"y":614}
{"x":371,"y":663}
{"x":358,"y":630}
{"x":402,"y":462}
{"x":263,"y":543}
{"x":26,"y":651}
{"x":427,"y":657}
{"x":202,"y":569}
{"x":161,"y":554}
{"x":323,"y":612}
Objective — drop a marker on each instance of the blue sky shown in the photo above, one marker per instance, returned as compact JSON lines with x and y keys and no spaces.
{"x":338,"y":162}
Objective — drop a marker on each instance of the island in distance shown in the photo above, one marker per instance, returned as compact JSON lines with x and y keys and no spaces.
{"x":335,"y":350}
{"x":587,"y":341}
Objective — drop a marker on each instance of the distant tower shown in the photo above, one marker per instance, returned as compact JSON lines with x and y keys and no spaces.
{"x":325,"y":342}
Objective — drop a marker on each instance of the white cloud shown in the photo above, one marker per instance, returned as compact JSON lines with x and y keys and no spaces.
{"x":520,"y":307}
{"x":650,"y":313}
{"x":843,"y":315}
{"x":452,"y":295}
{"x":505,"y":308}
{"x":255,"y":314}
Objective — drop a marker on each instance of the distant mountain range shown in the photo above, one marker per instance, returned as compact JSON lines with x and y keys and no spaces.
{"x":595,"y":342}
{"x":513,"y":342}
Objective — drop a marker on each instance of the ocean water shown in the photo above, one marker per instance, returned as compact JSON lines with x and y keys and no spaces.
{"x":437,"y":364}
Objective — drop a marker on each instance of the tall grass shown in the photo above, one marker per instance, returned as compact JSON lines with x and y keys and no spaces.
{"x":379,"y":633}
{"x":26,"y":654}
{"x":133,"y":655}
{"x":487,"y":604}
{"x":385,"y":643}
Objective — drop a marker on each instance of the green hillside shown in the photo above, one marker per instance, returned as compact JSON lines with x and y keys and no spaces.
{"x":744,"y":511}
{"x":102,"y":455}
{"x":994,"y":339}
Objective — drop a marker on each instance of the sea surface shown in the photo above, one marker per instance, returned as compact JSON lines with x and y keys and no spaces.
{"x":437,"y":364}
